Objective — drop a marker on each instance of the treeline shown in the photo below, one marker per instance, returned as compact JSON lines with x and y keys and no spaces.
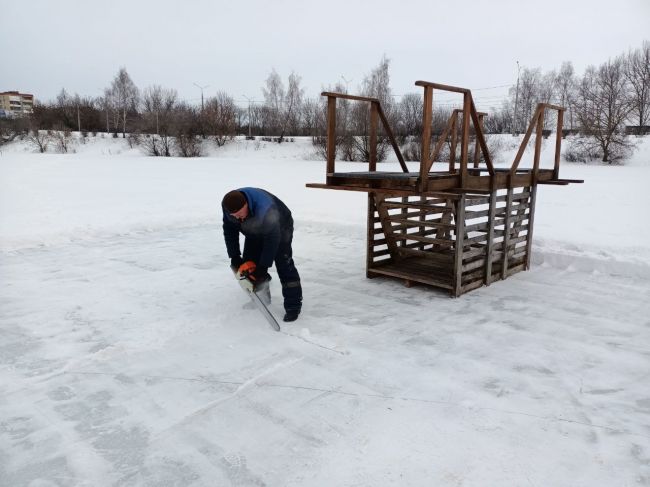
{"x":599,"y":103}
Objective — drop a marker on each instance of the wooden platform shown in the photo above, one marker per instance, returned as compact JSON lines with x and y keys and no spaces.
{"x":458,"y":228}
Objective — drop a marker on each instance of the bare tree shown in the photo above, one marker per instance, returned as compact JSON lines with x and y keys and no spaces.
{"x":124,"y":97}
{"x":220,"y":116}
{"x":376,"y":84}
{"x":637,"y":72}
{"x":63,"y":138}
{"x":547,"y":94}
{"x":273,"y":100}
{"x":409,"y":116}
{"x":187,"y":128}
{"x":566,"y":89}
{"x":602,"y":107}
{"x":158,"y":106}
{"x":529,"y":83}
{"x":66,"y":109}
{"x":291,"y":106}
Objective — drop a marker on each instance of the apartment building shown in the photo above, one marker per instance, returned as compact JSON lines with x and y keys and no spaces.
{"x":15,"y":104}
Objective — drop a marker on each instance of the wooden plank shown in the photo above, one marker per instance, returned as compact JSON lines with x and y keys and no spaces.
{"x":524,"y":142}
{"x":430,"y":208}
{"x":476,"y":142}
{"x":471,"y":191}
{"x":331,"y":133}
{"x":379,"y":253}
{"x":441,"y":140}
{"x":441,"y":259}
{"x":506,"y":239}
{"x":460,"y":233}
{"x":344,"y":96}
{"x":515,"y":269}
{"x":427,"y":110}
{"x":386,"y":227}
{"x":480,"y":137}
{"x":531,"y":221}
{"x":417,"y":238}
{"x":464,"y":148}
{"x":470,"y":287}
{"x":372,"y":138}
{"x":390,"y":271}
{"x":454,"y":138}
{"x":470,"y":215}
{"x":370,"y":226}
{"x":477,"y":227}
{"x":579,"y":181}
{"x":538,"y":145}
{"x":558,"y":144}
{"x":472,"y":276}
{"x":417,"y":213}
{"x":475,"y":264}
{"x":421,"y":223}
{"x":391,"y":137}
{"x":553,"y":107}
{"x":438,"y":86}
{"x":554,"y":183}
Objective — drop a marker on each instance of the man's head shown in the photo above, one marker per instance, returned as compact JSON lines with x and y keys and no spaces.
{"x":236,"y":205}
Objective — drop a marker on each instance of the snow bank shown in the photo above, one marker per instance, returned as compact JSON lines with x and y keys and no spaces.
{"x":598,"y":224}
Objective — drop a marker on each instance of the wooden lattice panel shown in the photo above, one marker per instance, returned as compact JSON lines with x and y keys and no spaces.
{"x":455,"y":242}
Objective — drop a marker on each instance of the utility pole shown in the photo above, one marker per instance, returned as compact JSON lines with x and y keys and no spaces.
{"x":346,"y":81}
{"x":250,"y":137}
{"x":201,"y":88}
{"x":515,"y":128}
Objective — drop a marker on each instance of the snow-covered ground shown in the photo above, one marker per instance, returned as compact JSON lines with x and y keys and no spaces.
{"x":127,"y":357}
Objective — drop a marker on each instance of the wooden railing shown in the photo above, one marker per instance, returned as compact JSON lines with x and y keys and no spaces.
{"x":428,"y":157}
{"x":468,"y":107}
{"x":376,"y":114}
{"x":538,"y":122}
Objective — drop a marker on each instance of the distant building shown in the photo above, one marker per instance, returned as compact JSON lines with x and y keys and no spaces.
{"x":15,"y":104}
{"x":637,"y":129}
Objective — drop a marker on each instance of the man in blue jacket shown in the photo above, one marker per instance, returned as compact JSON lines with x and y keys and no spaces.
{"x":268,"y":226}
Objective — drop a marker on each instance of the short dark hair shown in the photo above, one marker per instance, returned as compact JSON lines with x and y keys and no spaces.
{"x":233,"y":201}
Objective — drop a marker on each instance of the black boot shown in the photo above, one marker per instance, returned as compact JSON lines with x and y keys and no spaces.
{"x":291,"y":315}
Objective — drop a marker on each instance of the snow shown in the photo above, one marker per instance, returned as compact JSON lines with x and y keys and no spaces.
{"x":128,"y":358}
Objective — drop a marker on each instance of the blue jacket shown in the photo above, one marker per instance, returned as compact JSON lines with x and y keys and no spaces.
{"x":268,"y":218}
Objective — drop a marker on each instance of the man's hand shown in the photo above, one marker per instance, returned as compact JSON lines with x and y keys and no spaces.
{"x":235,"y":262}
{"x":247,"y":268}
{"x":260,"y":275}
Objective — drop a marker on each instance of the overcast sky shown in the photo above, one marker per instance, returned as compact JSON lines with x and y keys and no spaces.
{"x":233,"y":45}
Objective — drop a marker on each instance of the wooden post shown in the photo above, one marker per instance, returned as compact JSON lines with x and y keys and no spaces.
{"x":371,"y":234}
{"x":506,"y":229}
{"x":476,"y":141}
{"x":454,"y":136}
{"x":391,"y":137}
{"x":372,"y":137}
{"x":331,"y":134}
{"x":490,"y":235}
{"x":464,"y":148}
{"x":531,"y":218}
{"x":478,"y":127}
{"x":538,"y":144}
{"x":524,"y":143}
{"x":460,"y":236}
{"x":386,"y":225}
{"x":426,"y":136}
{"x":558,"y":144}
{"x":441,"y":140}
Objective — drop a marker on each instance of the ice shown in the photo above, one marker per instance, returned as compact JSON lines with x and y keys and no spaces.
{"x":127,"y":358}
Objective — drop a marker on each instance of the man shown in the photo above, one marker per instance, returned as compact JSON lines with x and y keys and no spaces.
{"x":268,"y":226}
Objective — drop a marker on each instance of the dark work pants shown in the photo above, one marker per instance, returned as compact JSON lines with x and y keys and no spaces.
{"x":287,"y":272}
